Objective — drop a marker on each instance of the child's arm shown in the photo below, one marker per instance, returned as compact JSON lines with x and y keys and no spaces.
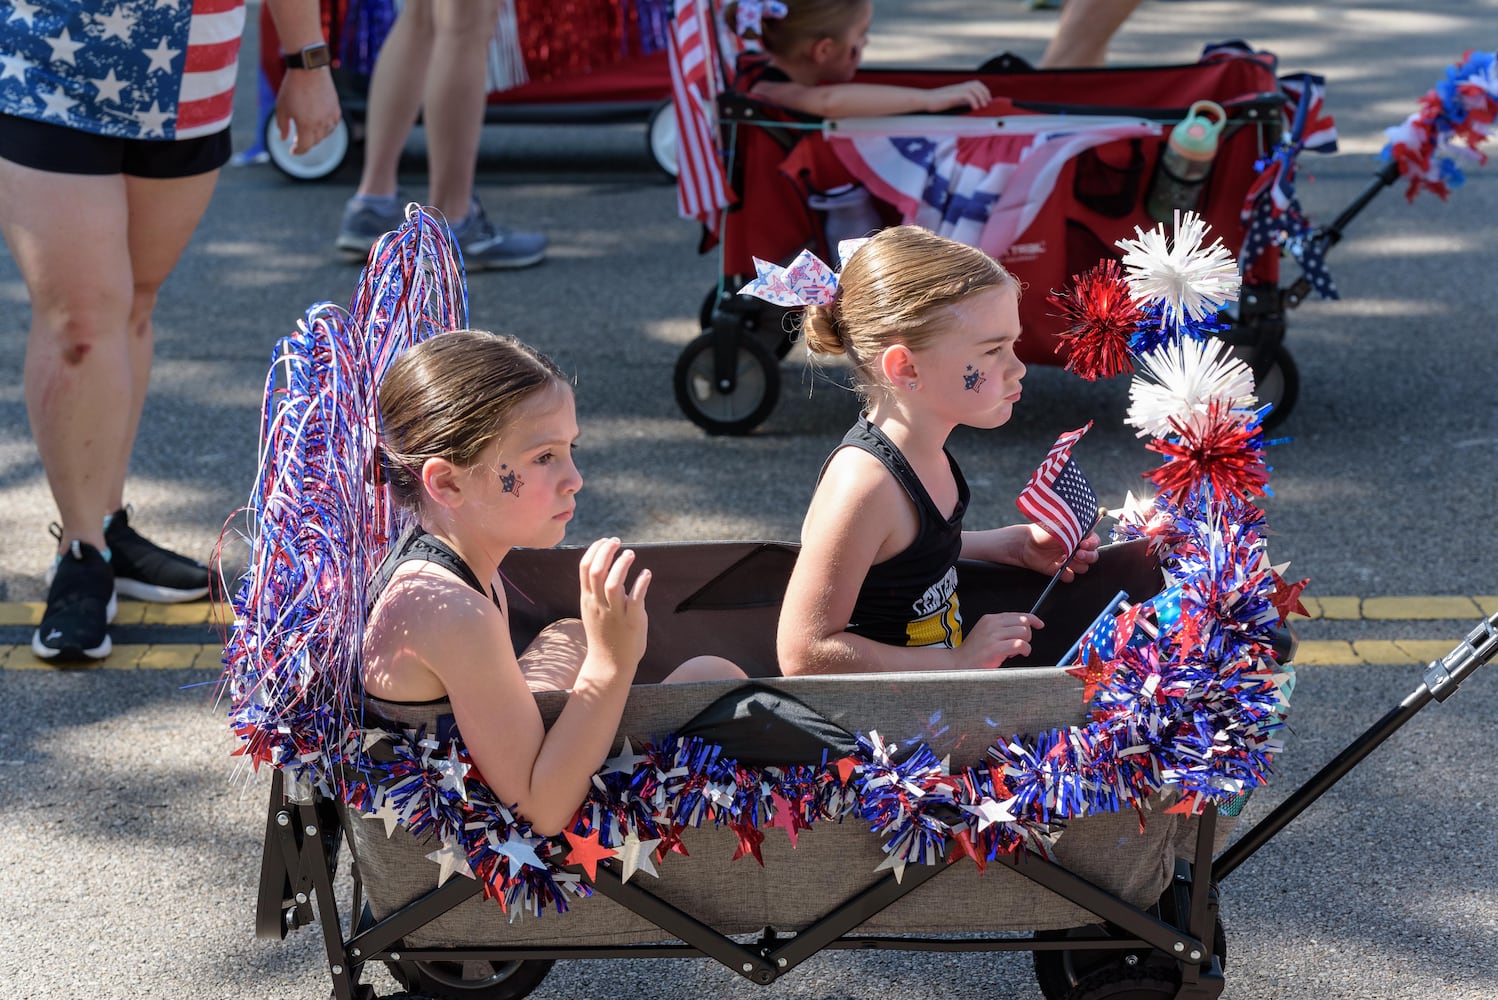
{"x":545,"y":773}
{"x":853,"y":522}
{"x":1029,"y":546}
{"x":853,"y":100}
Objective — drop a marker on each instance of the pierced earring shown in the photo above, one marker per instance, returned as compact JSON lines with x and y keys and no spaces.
{"x":910,"y":385}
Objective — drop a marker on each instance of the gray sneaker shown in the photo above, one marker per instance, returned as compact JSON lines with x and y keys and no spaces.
{"x":487,"y":247}
{"x":363,"y":224}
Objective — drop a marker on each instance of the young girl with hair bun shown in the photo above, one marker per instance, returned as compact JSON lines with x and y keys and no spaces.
{"x":929,"y":326}
{"x":477,"y":432}
{"x":812,"y":48}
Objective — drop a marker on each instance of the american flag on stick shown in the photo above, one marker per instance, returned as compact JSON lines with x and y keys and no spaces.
{"x":696,"y":80}
{"x":1058,"y":497}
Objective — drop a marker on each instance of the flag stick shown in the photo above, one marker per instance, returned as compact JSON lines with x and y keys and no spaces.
{"x":1065,"y":562}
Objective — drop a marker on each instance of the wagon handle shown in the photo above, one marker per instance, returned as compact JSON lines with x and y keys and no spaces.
{"x":1332,"y":234}
{"x":1441,"y":679}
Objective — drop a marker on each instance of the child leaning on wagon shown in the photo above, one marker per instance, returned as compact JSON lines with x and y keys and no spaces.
{"x":477,"y":432}
{"x":930,"y":327}
{"x":812,"y":48}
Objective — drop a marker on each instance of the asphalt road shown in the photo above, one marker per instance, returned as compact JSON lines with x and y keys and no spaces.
{"x":129,"y":845}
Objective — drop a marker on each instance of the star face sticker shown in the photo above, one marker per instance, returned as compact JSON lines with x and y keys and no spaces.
{"x":635,"y":855}
{"x":510,"y":480}
{"x":587,"y":851}
{"x":973,"y":379}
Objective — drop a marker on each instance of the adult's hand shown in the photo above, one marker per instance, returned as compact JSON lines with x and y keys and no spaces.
{"x":307,"y":104}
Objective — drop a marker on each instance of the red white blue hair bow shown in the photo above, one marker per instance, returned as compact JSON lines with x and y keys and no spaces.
{"x":806,"y":281}
{"x":751,"y":14}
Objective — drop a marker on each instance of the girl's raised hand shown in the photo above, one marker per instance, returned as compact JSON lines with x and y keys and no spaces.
{"x":996,"y":638}
{"x":970,"y":93}
{"x":613,"y":617}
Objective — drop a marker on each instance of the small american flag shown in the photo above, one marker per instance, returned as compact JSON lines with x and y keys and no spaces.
{"x":1058,"y":497}
{"x":696,"y":80}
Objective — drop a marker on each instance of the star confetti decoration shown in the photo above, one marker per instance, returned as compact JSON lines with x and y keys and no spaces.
{"x":785,"y":816}
{"x":895,"y":863}
{"x":962,"y":844}
{"x":635,"y":855}
{"x":845,"y":768}
{"x":990,"y":812}
{"x":750,"y":838}
{"x":624,"y":762}
{"x":518,"y":850}
{"x":671,"y":844}
{"x":1093,"y":675}
{"x":587,"y":851}
{"x":1286,"y":597}
{"x":451,"y":858}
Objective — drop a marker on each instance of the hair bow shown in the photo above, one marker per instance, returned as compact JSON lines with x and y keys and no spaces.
{"x":751,"y":14}
{"x":806,"y":281}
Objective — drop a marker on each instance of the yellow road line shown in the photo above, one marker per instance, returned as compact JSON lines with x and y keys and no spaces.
{"x":130,"y":613}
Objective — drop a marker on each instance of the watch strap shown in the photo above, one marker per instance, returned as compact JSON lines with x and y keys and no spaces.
{"x":314,"y":56}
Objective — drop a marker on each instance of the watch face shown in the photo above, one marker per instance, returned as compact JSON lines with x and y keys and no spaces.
{"x":316,"y":56}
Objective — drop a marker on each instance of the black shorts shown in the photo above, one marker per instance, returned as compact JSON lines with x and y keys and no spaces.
{"x":62,"y":150}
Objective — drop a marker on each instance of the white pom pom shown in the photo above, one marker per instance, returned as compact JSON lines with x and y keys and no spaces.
{"x":1189,"y":280}
{"x":1180,"y":380}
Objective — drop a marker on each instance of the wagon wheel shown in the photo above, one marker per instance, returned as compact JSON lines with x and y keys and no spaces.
{"x":318,"y":163}
{"x":660,"y":137}
{"x":1277,"y":381}
{"x":1060,"y":972}
{"x":1125,"y":984}
{"x":471,"y":980}
{"x":734,"y":407}
{"x":753,"y":314}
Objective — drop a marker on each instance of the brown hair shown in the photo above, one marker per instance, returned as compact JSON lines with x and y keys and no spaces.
{"x":805,"y":21}
{"x":895,"y":290}
{"x":449,"y":397}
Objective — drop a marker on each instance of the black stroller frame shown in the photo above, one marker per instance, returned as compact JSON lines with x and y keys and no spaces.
{"x":1161,"y":951}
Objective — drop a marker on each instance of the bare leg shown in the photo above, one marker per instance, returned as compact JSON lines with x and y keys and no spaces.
{"x":163,"y":216}
{"x":454,"y":99}
{"x":72,"y":237}
{"x":552,"y":661}
{"x":705,"y":668}
{"x":1083,"y":31}
{"x":395,"y":95}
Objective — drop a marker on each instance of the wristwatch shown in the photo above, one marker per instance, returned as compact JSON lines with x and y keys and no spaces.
{"x":312,"y":57}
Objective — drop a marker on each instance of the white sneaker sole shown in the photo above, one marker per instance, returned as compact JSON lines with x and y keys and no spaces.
{"x":100,"y":651}
{"x":155,"y":594}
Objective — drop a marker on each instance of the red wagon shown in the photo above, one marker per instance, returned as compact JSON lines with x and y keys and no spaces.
{"x":782,"y":165}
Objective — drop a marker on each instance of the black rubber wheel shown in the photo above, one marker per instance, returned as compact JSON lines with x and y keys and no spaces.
{"x":660,"y":137}
{"x":1277,"y":381}
{"x":753,"y":314}
{"x":743,"y":407}
{"x":318,"y":163}
{"x":1061,"y":972}
{"x":1125,"y":984}
{"x":471,"y":980}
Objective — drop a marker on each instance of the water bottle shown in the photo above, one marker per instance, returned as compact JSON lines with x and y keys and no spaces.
{"x":1185,"y":161}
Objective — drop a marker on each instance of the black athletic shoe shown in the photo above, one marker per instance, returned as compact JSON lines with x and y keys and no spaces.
{"x":146,"y":571}
{"x":80,"y":606}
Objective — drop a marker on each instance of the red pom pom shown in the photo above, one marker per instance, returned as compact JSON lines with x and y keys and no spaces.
{"x":1221,"y":449}
{"x":1100,"y":318}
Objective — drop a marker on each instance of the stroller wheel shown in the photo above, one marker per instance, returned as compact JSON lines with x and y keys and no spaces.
{"x":734,"y":402}
{"x":752,"y":314}
{"x":318,"y":163}
{"x":471,"y":980}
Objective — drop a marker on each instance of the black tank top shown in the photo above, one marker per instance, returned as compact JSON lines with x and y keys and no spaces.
{"x":910,"y":599}
{"x":416,"y":545}
{"x":755,"y":67}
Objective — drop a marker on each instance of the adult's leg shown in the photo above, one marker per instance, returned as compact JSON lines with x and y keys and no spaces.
{"x":69,"y":235}
{"x":163,"y":214}
{"x":1083,"y":31}
{"x":454,"y":98}
{"x":395,"y":96}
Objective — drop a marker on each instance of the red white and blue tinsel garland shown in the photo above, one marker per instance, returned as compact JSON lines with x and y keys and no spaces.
{"x":1453,"y":121}
{"x":1185,"y":695}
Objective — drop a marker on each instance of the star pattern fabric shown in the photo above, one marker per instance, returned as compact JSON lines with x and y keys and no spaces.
{"x":122,"y":68}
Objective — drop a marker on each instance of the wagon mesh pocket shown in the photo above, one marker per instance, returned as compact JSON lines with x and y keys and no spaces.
{"x":1109,"y":190}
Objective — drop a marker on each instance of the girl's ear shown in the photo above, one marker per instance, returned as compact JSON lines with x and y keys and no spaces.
{"x":440,"y":481}
{"x":822,"y":49}
{"x":897,"y":362}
